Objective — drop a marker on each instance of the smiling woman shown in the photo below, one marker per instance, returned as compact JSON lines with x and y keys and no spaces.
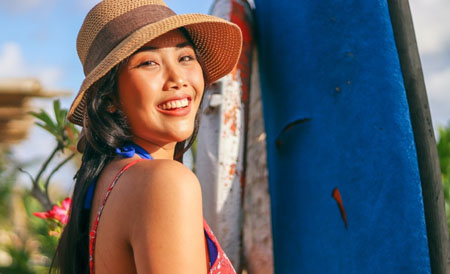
{"x":146,"y":69}
{"x":163,"y":109}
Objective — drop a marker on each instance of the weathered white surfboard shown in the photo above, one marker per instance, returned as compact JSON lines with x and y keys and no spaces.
{"x":220,"y":150}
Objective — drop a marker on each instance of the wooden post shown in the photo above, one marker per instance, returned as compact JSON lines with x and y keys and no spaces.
{"x":257,"y":230}
{"x":430,"y":174}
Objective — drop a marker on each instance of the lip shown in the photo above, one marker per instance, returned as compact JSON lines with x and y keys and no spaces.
{"x":178,"y":111}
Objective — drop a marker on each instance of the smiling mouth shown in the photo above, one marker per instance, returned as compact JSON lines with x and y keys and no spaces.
{"x":175,"y":104}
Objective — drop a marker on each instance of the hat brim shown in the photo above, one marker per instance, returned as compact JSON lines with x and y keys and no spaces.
{"x":217,"y":41}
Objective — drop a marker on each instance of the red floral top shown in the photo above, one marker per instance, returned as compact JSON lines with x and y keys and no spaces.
{"x":220,"y":265}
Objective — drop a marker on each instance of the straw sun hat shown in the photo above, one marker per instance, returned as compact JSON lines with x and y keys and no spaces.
{"x":115,"y":29}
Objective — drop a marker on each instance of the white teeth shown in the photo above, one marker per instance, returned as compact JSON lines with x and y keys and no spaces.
{"x":175,"y":104}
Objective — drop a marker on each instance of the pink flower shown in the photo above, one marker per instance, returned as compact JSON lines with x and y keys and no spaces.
{"x":58,"y":213}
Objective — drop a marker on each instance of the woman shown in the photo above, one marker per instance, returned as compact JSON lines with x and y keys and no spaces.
{"x":135,"y":209}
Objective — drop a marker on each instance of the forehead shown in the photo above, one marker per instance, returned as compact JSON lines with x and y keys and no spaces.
{"x":169,"y":39}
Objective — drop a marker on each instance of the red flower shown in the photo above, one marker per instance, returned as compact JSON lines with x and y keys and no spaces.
{"x":58,"y":213}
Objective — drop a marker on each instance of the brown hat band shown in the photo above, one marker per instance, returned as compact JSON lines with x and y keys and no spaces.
{"x":119,"y":28}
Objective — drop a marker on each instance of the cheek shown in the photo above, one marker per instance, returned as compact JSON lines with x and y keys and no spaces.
{"x":123,"y":86}
{"x":134,"y":91}
{"x":198,"y":82}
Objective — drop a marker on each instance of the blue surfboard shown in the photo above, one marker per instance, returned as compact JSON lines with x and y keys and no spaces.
{"x":343,"y":172}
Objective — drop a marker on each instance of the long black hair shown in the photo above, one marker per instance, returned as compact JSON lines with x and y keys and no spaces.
{"x":103,"y":132}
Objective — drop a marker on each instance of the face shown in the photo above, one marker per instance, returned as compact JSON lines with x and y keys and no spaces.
{"x":160,"y":89}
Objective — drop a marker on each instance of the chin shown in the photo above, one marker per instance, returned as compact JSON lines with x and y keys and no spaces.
{"x":183,"y":135}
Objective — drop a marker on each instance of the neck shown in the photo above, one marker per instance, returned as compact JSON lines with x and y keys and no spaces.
{"x":157,"y":151}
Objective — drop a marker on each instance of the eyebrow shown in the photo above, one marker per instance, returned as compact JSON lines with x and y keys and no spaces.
{"x":179,"y":46}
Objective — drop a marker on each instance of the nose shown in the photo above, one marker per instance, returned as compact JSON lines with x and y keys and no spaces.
{"x":175,"y":78}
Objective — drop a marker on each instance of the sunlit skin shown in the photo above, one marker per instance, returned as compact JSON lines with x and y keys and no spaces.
{"x":153,"y":222}
{"x":163,"y":69}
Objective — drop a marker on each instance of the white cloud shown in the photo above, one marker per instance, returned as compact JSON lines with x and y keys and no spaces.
{"x":23,"y":5}
{"x":440,"y":83}
{"x":88,"y":4}
{"x":438,"y":88}
{"x":49,"y":76}
{"x":13,"y":65}
{"x":432,"y":24}
{"x":11,"y":60}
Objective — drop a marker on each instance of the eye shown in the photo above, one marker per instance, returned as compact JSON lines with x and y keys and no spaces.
{"x":147,"y":63}
{"x":187,"y":58}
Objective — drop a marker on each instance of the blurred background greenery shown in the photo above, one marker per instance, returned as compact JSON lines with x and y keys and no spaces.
{"x":443,"y":146}
{"x":25,"y":243}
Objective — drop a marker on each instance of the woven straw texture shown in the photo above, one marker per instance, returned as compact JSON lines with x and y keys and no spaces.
{"x":100,"y":15}
{"x":218,"y":43}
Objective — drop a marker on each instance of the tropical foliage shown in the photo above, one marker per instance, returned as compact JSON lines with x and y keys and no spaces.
{"x":28,"y":243}
{"x":443,"y":146}
{"x":66,"y":136}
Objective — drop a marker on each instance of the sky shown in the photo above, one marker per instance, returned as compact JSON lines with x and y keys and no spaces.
{"x":37,"y":39}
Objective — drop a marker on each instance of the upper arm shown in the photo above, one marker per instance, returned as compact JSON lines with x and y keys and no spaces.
{"x":166,"y":232}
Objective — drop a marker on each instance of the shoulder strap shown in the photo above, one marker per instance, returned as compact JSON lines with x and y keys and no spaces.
{"x":93,"y":232}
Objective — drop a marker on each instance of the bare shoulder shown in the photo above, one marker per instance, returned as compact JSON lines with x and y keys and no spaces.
{"x":167,"y":169}
{"x":166,"y":212}
{"x":158,"y":176}
{"x":162,"y":180}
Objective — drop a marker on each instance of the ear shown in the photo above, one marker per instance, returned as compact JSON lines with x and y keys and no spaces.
{"x":112,"y":105}
{"x":111,"y":108}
